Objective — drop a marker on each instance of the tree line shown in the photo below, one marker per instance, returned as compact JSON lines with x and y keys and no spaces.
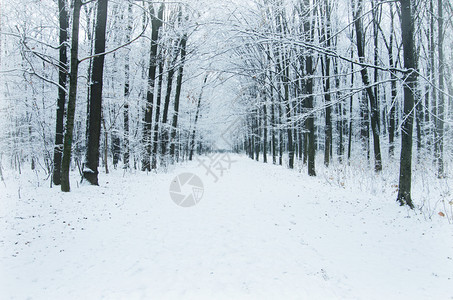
{"x":340,"y":79}
{"x":120,"y":70}
{"x":316,"y":71}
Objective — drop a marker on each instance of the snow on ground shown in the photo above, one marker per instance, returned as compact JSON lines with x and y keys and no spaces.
{"x":260,"y":232}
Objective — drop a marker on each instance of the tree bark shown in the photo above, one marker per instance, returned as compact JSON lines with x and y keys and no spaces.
{"x":351,"y":102}
{"x":274,"y":138}
{"x":62,"y":81}
{"x":264,"y":132}
{"x":90,"y":170}
{"x":393,"y":91}
{"x":407,"y":32}
{"x":157,"y":117}
{"x":174,"y":124}
{"x":327,"y":95}
{"x":66,"y":162}
{"x":192,"y":139}
{"x":126,"y":94}
{"x":311,"y":151}
{"x":165,"y":129}
{"x":373,"y":102}
{"x":440,"y":107}
{"x":148,"y":118}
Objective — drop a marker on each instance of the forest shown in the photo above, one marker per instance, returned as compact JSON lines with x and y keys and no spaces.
{"x":100,"y":97}
{"x":339,"y":79}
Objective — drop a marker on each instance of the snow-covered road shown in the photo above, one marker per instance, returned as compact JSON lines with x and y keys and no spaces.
{"x":259,"y":232}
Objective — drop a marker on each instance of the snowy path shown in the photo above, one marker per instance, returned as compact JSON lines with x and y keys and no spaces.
{"x":260,"y":232}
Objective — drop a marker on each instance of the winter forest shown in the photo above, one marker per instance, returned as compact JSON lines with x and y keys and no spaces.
{"x":207,"y":149}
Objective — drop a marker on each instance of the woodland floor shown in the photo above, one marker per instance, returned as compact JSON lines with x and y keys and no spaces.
{"x":259,"y":232}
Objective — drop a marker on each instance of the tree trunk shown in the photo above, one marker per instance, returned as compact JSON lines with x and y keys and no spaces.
{"x":148,"y":118}
{"x":192,"y":139}
{"x":157,"y":117}
{"x":66,"y":162}
{"x":351,"y":100}
{"x":328,"y":109}
{"x":256,"y":134}
{"x":274,"y":138}
{"x":365,"y":124}
{"x":433,"y":80}
{"x":126,"y":153}
{"x":289,"y":130}
{"x":327,"y":95}
{"x":341,"y":121}
{"x":174,"y":124}
{"x":373,"y":102}
{"x":393,"y":91}
{"x":62,"y":81}
{"x":165,"y":129}
{"x":311,"y":151}
{"x":265,"y":132}
{"x":407,"y":32}
{"x":376,"y":14}
{"x":280,"y":136}
{"x":440,"y":107}
{"x":106,"y":146}
{"x":90,"y":170}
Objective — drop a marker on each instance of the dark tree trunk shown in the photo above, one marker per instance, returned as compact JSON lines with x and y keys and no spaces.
{"x":433,"y":79}
{"x":192,"y":138}
{"x":429,"y":70}
{"x":373,"y":101}
{"x":311,"y":151}
{"x":440,"y":106}
{"x":376,"y":13}
{"x":289,"y":130}
{"x":393,"y":91}
{"x":274,"y":138}
{"x":116,"y":148}
{"x":327,"y":95}
{"x":148,"y":118}
{"x":62,"y":81}
{"x":419,"y":121}
{"x":106,"y":145}
{"x":351,"y":100}
{"x":407,"y":33}
{"x":305,"y":145}
{"x":341,"y":122}
{"x":157,"y":117}
{"x":327,"y":99}
{"x":178,"y":95}
{"x":280,"y":136}
{"x":283,"y":68}
{"x":126,"y":153}
{"x":90,"y":170}
{"x":164,"y":129}
{"x":264,"y":132}
{"x":66,"y":162}
{"x":365,"y":124}
{"x":255,"y":133}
